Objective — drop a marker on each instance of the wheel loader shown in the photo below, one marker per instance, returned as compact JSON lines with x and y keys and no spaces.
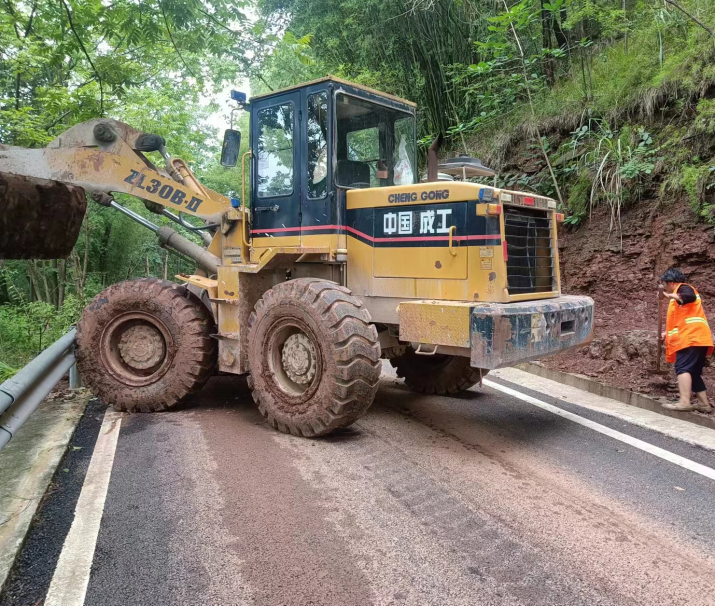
{"x":338,"y":256}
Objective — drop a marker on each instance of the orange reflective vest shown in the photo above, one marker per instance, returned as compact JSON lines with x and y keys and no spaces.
{"x":686,"y":326}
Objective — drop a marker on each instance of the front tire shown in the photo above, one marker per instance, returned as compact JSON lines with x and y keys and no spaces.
{"x":142,"y":345}
{"x":314,"y":357}
{"x":436,"y":374}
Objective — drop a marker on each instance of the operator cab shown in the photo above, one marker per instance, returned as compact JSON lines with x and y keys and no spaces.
{"x":311,"y":143}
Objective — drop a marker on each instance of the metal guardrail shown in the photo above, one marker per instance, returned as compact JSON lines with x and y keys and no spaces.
{"x":22,"y":394}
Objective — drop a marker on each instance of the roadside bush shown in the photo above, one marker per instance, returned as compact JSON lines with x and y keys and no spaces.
{"x":28,"y":328}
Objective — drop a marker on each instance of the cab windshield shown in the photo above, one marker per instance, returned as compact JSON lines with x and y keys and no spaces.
{"x":375,"y":144}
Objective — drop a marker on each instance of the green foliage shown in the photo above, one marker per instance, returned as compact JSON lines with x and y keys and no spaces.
{"x":401,"y":48}
{"x":698,"y":182}
{"x":154,"y":65}
{"x":67,"y":61}
{"x":616,"y":168}
{"x":704,"y":122}
{"x":692,"y":181}
{"x":6,"y":371}
{"x":26,"y":329}
{"x":579,"y":196}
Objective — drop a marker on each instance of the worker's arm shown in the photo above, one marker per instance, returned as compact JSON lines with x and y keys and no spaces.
{"x":683,"y":296}
{"x":687,"y":294}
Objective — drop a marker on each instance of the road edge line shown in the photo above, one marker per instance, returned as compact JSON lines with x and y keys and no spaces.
{"x":670,"y":426}
{"x":48,"y":456}
{"x":619,"y":394}
{"x":666,"y":455}
{"x":71,"y":578}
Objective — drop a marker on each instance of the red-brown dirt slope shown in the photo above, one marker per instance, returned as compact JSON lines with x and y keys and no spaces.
{"x":623,"y":283}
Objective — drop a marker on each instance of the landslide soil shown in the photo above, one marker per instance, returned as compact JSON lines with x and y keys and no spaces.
{"x":623,"y":282}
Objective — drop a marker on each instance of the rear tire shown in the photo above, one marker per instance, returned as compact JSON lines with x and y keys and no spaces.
{"x":437,"y":374}
{"x":314,"y":357}
{"x":142,"y":345}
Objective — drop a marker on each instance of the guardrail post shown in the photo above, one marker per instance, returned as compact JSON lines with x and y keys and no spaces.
{"x":75,"y":379}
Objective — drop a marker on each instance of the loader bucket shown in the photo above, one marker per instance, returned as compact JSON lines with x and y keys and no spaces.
{"x":39,"y":219}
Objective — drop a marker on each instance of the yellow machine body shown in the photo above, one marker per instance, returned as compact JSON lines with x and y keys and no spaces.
{"x":429,"y":261}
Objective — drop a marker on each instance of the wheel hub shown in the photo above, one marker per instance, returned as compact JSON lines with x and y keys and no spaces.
{"x":299,"y":359}
{"x":142,"y":347}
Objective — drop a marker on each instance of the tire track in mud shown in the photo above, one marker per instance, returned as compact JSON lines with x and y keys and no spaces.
{"x":635,"y":556}
{"x":498,"y":561}
{"x":514,"y":523}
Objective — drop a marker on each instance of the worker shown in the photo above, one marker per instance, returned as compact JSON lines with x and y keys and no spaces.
{"x":688,"y":340}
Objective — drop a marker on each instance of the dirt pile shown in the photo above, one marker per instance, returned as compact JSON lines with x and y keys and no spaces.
{"x":622,"y":348}
{"x":623,"y":282}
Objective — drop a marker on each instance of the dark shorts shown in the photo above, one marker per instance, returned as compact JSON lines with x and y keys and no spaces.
{"x":692,"y":360}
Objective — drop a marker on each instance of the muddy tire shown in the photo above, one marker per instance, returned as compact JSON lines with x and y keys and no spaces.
{"x":314,"y":357}
{"x":438,"y":374}
{"x":142,"y":345}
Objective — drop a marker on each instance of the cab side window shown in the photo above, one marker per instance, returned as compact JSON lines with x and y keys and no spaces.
{"x":275,"y":151}
{"x":317,"y":145}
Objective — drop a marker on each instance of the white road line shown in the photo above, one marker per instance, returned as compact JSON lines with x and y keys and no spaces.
{"x":612,"y":433}
{"x":678,"y":428}
{"x":69,"y":583}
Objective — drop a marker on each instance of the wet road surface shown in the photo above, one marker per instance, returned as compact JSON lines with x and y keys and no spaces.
{"x":469,"y":500}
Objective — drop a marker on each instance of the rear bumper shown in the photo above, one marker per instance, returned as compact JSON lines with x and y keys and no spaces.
{"x":504,"y":334}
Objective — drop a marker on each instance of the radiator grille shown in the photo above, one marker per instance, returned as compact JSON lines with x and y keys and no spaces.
{"x":530,"y":262}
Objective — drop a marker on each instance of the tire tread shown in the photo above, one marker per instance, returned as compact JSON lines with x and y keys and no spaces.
{"x":193,"y":365}
{"x":355,"y":347}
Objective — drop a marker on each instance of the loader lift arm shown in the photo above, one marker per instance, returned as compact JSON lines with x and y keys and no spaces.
{"x":104,"y":157}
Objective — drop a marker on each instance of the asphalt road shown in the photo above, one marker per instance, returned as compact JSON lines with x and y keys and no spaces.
{"x":470,"y":500}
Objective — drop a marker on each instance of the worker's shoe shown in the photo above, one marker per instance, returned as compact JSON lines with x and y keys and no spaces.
{"x":706,"y":408}
{"x":677,"y":407}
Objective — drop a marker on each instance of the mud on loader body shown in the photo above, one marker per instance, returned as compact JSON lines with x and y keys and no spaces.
{"x":343,"y":258}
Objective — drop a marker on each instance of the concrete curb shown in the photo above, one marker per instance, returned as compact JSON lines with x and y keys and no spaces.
{"x":616,"y":393}
{"x":27,"y":465}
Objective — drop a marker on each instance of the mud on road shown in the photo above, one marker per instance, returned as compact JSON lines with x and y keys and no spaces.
{"x":427,"y":500}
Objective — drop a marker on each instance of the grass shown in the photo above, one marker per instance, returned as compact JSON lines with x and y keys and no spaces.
{"x":6,"y":372}
{"x":663,"y":83}
{"x":623,"y":85}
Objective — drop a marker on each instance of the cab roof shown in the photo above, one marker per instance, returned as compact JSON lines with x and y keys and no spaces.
{"x":329,"y":78}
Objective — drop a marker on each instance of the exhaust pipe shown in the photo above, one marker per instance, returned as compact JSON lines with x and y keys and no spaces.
{"x":432,"y":160}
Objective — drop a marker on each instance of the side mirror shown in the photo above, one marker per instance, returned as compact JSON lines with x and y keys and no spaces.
{"x":231,"y":147}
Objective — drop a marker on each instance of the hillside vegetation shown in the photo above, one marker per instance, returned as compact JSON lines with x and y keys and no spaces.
{"x":587,"y":101}
{"x":598,"y":103}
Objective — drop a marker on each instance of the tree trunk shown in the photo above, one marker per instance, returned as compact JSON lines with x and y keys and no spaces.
{"x":561,"y":37}
{"x":86,"y":252}
{"x":547,"y":26}
{"x":77,"y":273}
{"x":104,"y":252}
{"x":165,"y":272}
{"x":61,"y":283}
{"x":54,"y":282}
{"x":45,"y":282}
{"x":4,"y":291}
{"x":35,"y":294}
